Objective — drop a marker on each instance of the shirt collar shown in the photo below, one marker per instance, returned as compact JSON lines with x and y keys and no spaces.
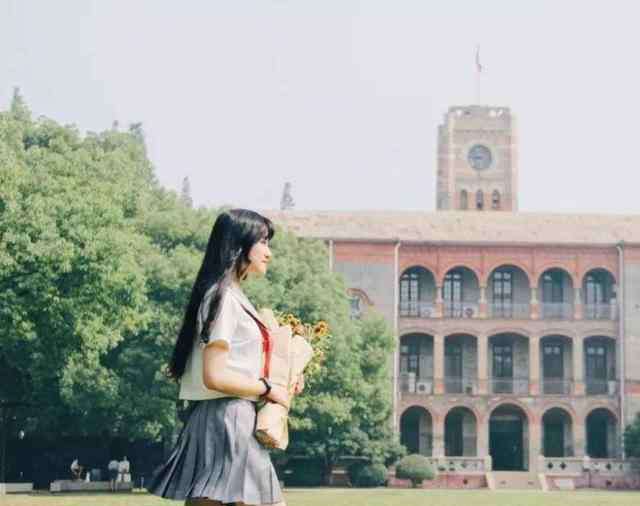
{"x":244,"y":301}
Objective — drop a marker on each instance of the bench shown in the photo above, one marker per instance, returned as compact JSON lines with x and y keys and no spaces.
{"x":90,"y":486}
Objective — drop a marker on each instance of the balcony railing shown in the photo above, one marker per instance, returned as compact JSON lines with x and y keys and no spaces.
{"x":510,"y":385}
{"x":461,"y":309}
{"x":601,"y":311}
{"x":417,"y":309}
{"x":465,"y":465}
{"x":460,"y":385}
{"x":555,"y":386}
{"x":557,"y":310}
{"x":510,"y":311}
{"x":409,"y":384}
{"x":600,"y":387}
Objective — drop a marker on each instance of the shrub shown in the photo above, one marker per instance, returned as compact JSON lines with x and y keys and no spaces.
{"x":415,"y":468}
{"x":371,"y":475}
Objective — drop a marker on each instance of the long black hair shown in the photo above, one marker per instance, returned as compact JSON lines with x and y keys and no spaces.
{"x":233,"y":235}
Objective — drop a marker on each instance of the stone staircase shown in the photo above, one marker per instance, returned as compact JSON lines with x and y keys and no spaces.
{"x":516,"y":480}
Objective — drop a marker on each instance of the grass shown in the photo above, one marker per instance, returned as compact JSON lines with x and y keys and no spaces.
{"x":357,"y":497}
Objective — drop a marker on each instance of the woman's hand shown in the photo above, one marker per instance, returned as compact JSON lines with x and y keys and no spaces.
{"x":280,"y":395}
{"x":299,"y":385}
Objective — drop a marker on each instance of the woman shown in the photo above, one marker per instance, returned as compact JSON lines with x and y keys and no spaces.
{"x":219,"y":361}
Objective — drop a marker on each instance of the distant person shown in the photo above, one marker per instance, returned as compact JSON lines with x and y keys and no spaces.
{"x":113,"y":474}
{"x":76,"y":470}
{"x":123,"y":470}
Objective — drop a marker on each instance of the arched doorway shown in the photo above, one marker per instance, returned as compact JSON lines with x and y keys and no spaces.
{"x":460,"y":433}
{"x":557,"y":433}
{"x":602,"y":430}
{"x":508,"y":438}
{"x":416,"y":431}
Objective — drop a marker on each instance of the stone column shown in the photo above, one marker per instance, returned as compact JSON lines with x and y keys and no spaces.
{"x":438,"y":364}
{"x":534,"y":365}
{"x":483,"y":438}
{"x":483,"y":302}
{"x":438,"y":436}
{"x":577,"y":304}
{"x":535,"y":445}
{"x":534,"y":307}
{"x":483,"y":370}
{"x":439,"y":303}
{"x":578,"y":366}
{"x":579,"y":438}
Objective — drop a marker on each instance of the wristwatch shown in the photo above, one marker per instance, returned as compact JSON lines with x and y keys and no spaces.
{"x":267,"y":384}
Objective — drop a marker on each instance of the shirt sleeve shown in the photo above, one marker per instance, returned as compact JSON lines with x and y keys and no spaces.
{"x":226,"y":322}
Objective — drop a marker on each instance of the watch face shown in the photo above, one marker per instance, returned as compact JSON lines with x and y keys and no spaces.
{"x":479,"y":157}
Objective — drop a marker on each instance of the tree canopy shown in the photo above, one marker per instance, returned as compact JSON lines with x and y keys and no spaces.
{"x":97,"y":261}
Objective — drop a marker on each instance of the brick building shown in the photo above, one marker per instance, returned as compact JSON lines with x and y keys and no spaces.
{"x":518,"y":334}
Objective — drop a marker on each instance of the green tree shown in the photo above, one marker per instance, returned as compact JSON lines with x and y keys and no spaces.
{"x":96,"y":266}
{"x":71,"y":276}
{"x":346,"y":409}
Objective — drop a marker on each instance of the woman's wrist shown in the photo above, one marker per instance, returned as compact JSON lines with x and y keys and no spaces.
{"x":267,"y":386}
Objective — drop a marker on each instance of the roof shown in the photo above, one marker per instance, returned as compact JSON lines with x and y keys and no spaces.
{"x":462,"y":226}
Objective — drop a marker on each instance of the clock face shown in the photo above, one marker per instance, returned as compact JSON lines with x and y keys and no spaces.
{"x":479,"y":157}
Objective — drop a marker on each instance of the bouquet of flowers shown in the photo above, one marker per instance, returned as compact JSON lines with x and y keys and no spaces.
{"x":316,"y":334}
{"x":292,"y":354}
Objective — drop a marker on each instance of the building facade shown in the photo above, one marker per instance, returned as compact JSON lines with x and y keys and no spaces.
{"x":518,"y":334}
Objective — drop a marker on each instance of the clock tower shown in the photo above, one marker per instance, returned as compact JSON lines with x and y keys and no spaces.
{"x":477,"y":160}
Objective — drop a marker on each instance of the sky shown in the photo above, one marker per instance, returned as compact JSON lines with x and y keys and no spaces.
{"x":341,"y":98}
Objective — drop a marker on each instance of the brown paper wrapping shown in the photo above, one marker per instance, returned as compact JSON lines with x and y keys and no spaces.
{"x":289,"y":356}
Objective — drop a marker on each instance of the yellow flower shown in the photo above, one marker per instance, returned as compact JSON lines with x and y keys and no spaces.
{"x":321,"y":329}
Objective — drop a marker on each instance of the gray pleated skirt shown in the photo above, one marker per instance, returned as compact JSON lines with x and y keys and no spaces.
{"x":218,"y":457}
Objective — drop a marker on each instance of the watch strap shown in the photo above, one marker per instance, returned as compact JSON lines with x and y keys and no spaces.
{"x":267,"y":384}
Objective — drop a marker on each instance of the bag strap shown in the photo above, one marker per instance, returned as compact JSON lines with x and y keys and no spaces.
{"x":267,"y":343}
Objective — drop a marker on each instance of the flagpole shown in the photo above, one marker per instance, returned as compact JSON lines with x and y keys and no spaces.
{"x":478,"y":74}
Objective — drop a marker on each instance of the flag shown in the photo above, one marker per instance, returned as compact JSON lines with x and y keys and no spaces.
{"x":478,"y":65}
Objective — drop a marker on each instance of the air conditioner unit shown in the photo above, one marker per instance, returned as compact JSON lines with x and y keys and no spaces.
{"x":469,"y":388}
{"x":408,"y":382}
{"x":423,"y":386}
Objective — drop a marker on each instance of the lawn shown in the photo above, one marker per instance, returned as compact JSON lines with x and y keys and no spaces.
{"x":359,"y":497}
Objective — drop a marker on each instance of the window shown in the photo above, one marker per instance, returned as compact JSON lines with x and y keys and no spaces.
{"x":409,"y":293}
{"x":453,"y":368}
{"x":356,"y":308}
{"x":596,"y":288}
{"x":453,"y":294}
{"x":596,"y":369}
{"x":552,"y":290}
{"x":553,"y":368}
{"x":502,"y":368}
{"x":503,"y":361}
{"x":479,"y":200}
{"x":503,"y":293}
{"x":410,"y":351}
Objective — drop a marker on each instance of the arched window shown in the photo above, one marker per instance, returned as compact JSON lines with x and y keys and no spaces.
{"x":464,"y":200}
{"x":479,"y":200}
{"x":356,"y":307}
{"x":495,"y":199}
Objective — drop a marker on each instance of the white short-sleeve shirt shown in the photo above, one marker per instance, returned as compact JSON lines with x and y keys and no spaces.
{"x":242,"y":334}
